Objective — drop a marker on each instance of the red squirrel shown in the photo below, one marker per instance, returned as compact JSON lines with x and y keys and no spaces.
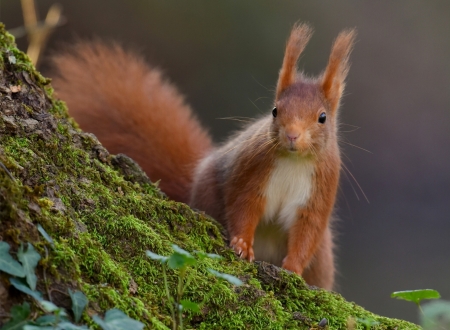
{"x":272,"y":185}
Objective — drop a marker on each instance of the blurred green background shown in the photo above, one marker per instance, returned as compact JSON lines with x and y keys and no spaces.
{"x":225,"y":56}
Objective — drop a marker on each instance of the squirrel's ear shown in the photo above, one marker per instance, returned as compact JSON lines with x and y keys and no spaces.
{"x":300,"y":35}
{"x":333,"y":80}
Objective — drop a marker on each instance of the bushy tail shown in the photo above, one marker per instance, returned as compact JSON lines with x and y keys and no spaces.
{"x":132,"y":109}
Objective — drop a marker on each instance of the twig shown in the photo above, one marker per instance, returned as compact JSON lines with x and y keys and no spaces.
{"x":38,"y":33}
{"x":166,"y":286}
{"x":62,"y":292}
{"x":6,"y":170}
{"x":29,"y":12}
{"x":45,"y":277}
{"x":22,"y":31}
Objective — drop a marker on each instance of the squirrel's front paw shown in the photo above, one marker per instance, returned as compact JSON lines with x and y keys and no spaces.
{"x":242,"y":248}
{"x":292,"y":265}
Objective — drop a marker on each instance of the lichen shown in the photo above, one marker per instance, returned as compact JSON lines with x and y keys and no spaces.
{"x":102,"y":224}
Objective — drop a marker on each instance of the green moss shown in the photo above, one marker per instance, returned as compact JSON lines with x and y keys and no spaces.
{"x":102,"y":225}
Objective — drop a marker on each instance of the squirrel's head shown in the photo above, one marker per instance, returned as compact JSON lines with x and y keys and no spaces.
{"x":304,"y":116}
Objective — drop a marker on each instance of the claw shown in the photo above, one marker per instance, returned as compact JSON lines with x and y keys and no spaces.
{"x":242,"y":248}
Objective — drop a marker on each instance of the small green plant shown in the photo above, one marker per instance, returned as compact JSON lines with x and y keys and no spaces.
{"x":368,"y":322}
{"x":181,"y":260}
{"x":433,"y":315}
{"x":416,"y":296}
{"x":116,"y":319}
{"x":25,"y":280}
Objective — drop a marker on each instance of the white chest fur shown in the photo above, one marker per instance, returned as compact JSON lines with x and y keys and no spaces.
{"x":289,"y":188}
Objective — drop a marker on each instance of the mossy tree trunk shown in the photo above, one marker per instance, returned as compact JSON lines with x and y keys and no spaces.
{"x":103,"y":214}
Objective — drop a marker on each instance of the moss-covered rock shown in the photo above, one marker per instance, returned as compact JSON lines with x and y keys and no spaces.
{"x":103,"y":214}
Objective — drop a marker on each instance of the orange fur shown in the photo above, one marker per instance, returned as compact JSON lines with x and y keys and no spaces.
{"x":320,"y":272}
{"x":243,"y":210}
{"x":338,"y":66}
{"x":300,"y":35}
{"x":131,"y":109}
{"x":294,"y":155}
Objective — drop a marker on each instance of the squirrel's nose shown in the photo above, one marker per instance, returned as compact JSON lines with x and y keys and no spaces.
{"x":292,"y":137}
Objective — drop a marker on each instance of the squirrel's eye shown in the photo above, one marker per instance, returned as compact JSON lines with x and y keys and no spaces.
{"x":322,"y":118}
{"x":274,"y":112}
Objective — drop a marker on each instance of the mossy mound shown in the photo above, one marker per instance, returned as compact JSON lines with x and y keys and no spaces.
{"x":103,"y":214}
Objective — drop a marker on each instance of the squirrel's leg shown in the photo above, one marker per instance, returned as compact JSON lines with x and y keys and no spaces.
{"x":243,"y":218}
{"x":304,"y":239}
{"x":244,"y":196}
{"x":321,"y":270}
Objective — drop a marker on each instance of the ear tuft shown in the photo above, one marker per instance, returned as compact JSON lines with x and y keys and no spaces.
{"x":333,"y":80}
{"x":300,"y":35}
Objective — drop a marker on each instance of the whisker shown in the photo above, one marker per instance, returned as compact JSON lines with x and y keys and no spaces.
{"x":351,"y":185}
{"x":341,"y":193}
{"x":356,"y":181}
{"x":264,"y":144}
{"x":237,"y":117}
{"x":315,"y":150}
{"x":348,"y":158}
{"x":350,"y":144}
{"x":256,"y":106}
{"x":239,"y":120}
{"x":261,"y":147}
{"x":266,"y":88}
{"x":262,"y":97}
{"x":231,"y":149}
{"x":274,"y":146}
{"x":252,"y":139}
{"x":357,"y":127}
{"x":311,"y":148}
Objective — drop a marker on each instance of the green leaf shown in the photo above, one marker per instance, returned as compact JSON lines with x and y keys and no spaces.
{"x":179,"y":250}
{"x":19,"y":316}
{"x":29,"y":260}
{"x":45,"y":235}
{"x":79,"y":303}
{"x":227,"y":277}
{"x":22,"y":311}
{"x":416,"y":295}
{"x":7,"y":263}
{"x":155,"y":256}
{"x":70,"y":326}
{"x":115,"y":319}
{"x":50,"y":319}
{"x":202,"y":255}
{"x":177,"y":261}
{"x":37,"y":327}
{"x":101,"y":323}
{"x":49,"y":306}
{"x":368,"y":322}
{"x":180,"y":258}
{"x":46,"y":320}
{"x":21,"y":286}
{"x":187,"y":304}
